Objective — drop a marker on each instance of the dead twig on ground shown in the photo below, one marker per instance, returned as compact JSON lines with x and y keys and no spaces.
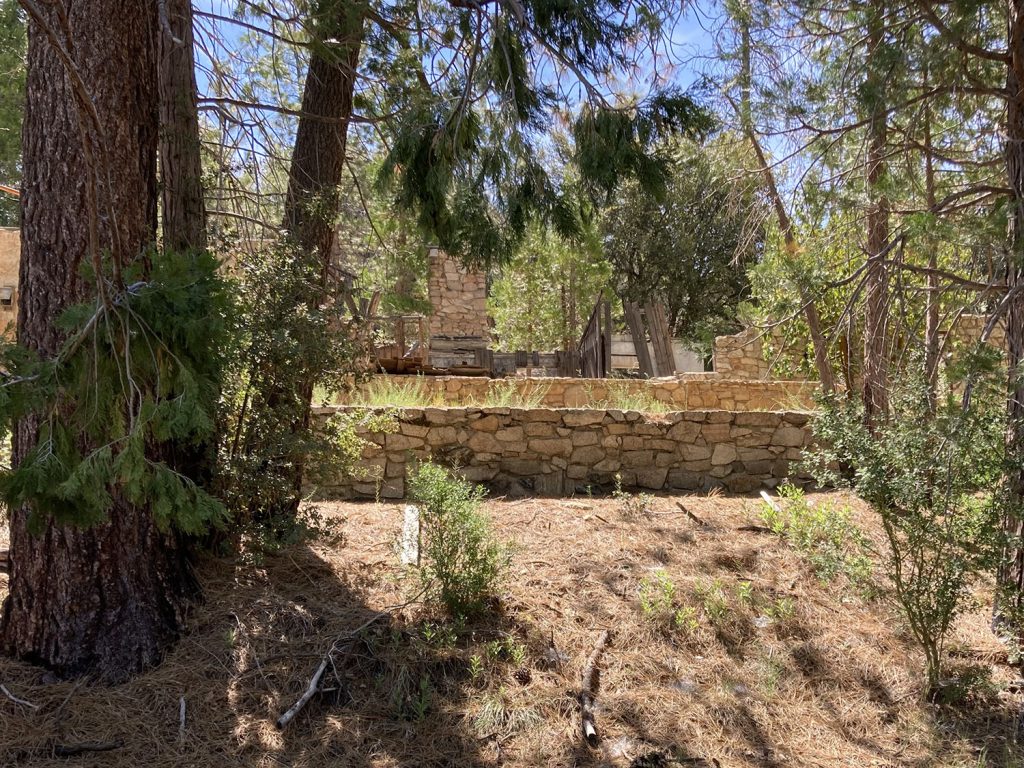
{"x":71,"y":750}
{"x":689,"y":514}
{"x":590,"y":683}
{"x":15,"y":699}
{"x":343,"y":642}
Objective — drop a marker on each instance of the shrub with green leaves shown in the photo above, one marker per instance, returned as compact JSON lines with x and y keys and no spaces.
{"x":929,"y":471}
{"x":823,"y":533}
{"x":287,"y":342}
{"x":465,"y":563}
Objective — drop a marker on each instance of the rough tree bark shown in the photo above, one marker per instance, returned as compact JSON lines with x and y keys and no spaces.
{"x":1011,"y":571}
{"x":318,"y":157}
{"x":876,"y":282}
{"x":183,"y":207}
{"x":108,"y":599}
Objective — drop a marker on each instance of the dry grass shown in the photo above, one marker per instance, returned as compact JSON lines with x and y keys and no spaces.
{"x":831,"y":682}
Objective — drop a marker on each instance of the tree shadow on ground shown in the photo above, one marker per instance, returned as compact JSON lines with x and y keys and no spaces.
{"x":252,"y":647}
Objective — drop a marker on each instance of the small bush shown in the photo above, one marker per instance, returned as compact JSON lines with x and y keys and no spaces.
{"x":928,"y":469}
{"x":824,"y":534}
{"x":632,"y":505}
{"x":464,"y":562}
{"x":714,"y":600}
{"x":658,"y":603}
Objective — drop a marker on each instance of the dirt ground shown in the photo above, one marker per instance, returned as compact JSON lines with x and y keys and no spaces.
{"x":791,"y":672}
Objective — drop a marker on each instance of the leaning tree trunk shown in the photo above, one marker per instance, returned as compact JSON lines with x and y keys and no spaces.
{"x":105,"y":600}
{"x":1011,"y":571}
{"x":876,"y":282}
{"x":826,"y":376}
{"x":317,"y":169}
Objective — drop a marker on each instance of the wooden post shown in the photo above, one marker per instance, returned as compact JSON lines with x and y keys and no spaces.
{"x":661,"y":338}
{"x":636,"y":330}
{"x":400,"y":336}
{"x":607,"y":338}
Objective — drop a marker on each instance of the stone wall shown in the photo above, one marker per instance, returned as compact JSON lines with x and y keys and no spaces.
{"x":555,"y":452}
{"x":689,"y":391}
{"x":742,"y":356}
{"x":10,"y":258}
{"x":458,"y":297}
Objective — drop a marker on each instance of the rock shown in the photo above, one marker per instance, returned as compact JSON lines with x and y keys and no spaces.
{"x":588,"y":455}
{"x":684,"y":480}
{"x":694,"y":452}
{"x":715,"y":432}
{"x":514,"y":435}
{"x":582,"y":418}
{"x":637,"y":458}
{"x":585,"y":438}
{"x":724,"y":454}
{"x":791,"y":437}
{"x":399,"y":442}
{"x":551,"y":447}
{"x":478,"y":474}
{"x":486,"y":424}
{"x":651,"y":478}
{"x":484,"y":442}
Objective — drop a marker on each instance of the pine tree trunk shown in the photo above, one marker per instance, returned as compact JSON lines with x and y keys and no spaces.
{"x":876,"y":282}
{"x":183,"y":207}
{"x":1011,"y":571}
{"x":108,"y":599}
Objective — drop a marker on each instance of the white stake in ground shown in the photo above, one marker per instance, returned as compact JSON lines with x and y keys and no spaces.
{"x":411,"y":536}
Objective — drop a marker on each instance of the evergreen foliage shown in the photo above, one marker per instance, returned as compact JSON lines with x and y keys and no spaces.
{"x":135,"y":381}
{"x":465,"y":562}
{"x":690,"y":246}
{"x":12,"y":103}
{"x":285,"y":345}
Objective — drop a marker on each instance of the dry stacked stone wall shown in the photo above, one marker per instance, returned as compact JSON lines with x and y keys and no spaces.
{"x":552,"y":452}
{"x":688,"y":392}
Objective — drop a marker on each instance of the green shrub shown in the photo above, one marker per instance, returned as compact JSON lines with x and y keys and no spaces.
{"x":464,"y":562}
{"x":824,"y":534}
{"x":929,"y":471}
{"x":714,"y":600}
{"x":658,"y":603}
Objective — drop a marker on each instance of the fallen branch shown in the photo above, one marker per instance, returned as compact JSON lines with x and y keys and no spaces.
{"x":15,"y":699}
{"x":690,"y":515}
{"x":181,"y":720}
{"x":590,"y":683}
{"x":70,"y":750}
{"x":314,"y":682}
{"x":755,"y":529}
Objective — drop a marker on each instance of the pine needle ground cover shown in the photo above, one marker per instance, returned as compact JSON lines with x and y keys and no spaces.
{"x":728,"y":649}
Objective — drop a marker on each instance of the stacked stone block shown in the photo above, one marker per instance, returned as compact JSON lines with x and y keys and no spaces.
{"x":552,"y":452}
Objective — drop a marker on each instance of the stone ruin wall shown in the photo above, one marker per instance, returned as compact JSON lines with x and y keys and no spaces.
{"x":458,"y":297}
{"x":10,"y":258}
{"x":741,"y":356}
{"x":553,"y":452}
{"x":693,"y":391}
